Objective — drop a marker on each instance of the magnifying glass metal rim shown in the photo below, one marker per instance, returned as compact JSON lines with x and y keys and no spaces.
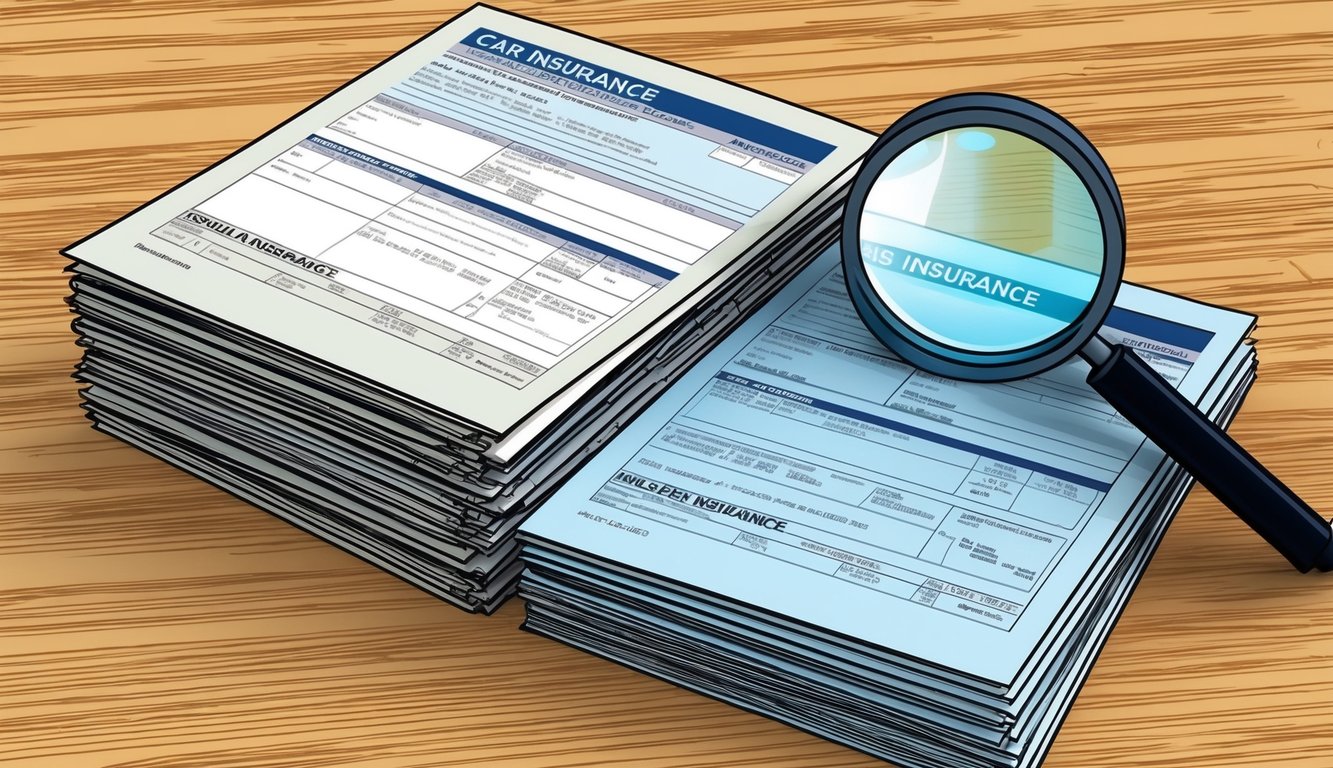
{"x":1025,"y":118}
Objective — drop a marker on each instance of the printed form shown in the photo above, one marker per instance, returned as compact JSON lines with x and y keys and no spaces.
{"x":803,"y":469}
{"x":479,"y":215}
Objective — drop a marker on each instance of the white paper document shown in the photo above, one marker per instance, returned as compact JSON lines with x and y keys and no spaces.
{"x":802,"y":470}
{"x":487,"y":216}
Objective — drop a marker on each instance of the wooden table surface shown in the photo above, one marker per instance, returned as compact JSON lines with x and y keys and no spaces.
{"x":149,"y":620}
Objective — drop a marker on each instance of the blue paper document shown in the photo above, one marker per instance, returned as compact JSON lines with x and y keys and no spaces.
{"x":802,"y":470}
{"x":510,"y":208}
{"x":402,"y":317}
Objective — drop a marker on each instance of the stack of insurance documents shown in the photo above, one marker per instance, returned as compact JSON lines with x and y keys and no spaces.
{"x":400,"y":318}
{"x":918,"y":568}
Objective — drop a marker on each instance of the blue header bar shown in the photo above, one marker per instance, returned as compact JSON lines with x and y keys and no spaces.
{"x":467,"y":197}
{"x":906,"y":429}
{"x":648,"y":94}
{"x":1004,"y":290}
{"x":1158,"y":329}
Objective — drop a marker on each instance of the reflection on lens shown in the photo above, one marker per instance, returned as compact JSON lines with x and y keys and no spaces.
{"x":981,"y":239}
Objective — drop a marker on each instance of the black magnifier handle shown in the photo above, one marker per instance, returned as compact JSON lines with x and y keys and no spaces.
{"x":1148,"y":402}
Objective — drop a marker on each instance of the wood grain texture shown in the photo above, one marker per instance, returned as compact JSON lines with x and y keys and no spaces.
{"x":147,"y":620}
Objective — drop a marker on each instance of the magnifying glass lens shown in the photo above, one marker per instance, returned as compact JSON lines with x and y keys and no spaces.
{"x":981,"y":239}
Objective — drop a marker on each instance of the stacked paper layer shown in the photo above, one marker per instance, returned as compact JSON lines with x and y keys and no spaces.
{"x":401,"y":318}
{"x":921,"y":569}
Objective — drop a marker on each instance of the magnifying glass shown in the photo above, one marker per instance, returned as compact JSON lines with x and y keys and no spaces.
{"x":984,"y":240}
